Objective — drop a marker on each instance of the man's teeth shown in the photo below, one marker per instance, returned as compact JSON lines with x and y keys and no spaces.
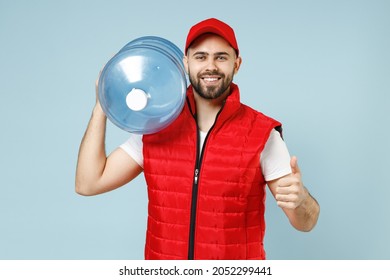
{"x":210,"y":79}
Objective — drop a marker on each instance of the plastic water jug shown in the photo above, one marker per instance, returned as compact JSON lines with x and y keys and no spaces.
{"x":142,"y":89}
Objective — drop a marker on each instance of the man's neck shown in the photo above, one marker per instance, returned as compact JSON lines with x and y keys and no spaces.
{"x":207,"y":110}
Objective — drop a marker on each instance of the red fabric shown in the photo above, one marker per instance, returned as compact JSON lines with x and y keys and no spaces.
{"x":231,"y":190}
{"x":215,"y":26}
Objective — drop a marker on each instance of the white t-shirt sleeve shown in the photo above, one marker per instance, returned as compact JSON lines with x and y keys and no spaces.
{"x":275,"y":158}
{"x":133,"y":147}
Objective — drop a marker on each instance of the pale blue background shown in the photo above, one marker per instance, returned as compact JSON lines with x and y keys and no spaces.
{"x":320,"y":67}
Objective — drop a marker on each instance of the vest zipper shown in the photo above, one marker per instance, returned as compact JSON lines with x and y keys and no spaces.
{"x":194,"y":198}
{"x":194,"y":201}
{"x":196,"y":175}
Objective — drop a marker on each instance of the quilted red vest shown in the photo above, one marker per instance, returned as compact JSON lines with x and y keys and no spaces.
{"x":210,"y":204}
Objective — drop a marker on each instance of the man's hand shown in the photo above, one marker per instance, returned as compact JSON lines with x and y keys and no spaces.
{"x":292,"y":196}
{"x":290,"y":192}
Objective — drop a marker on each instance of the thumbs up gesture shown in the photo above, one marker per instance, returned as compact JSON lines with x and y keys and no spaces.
{"x":290,"y":192}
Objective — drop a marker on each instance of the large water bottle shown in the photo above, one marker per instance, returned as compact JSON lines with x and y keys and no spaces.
{"x":142,"y":88}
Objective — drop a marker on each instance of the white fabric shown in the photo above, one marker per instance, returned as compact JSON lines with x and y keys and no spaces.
{"x":274,"y":160}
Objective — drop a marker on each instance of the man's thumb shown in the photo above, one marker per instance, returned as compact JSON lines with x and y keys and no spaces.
{"x":294,"y":165}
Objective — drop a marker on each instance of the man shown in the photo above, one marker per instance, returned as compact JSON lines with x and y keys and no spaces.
{"x":206,"y":173}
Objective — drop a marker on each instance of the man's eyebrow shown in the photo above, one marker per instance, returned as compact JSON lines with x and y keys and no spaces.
{"x":200,"y":53}
{"x":221,"y":53}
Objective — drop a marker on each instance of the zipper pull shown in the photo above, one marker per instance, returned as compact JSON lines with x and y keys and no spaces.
{"x":196,"y":175}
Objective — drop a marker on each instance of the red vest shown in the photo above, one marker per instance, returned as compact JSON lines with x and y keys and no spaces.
{"x":207,"y":205}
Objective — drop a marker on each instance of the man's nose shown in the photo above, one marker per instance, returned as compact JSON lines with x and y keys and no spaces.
{"x":211,"y":65}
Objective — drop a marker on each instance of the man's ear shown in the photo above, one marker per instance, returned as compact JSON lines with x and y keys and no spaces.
{"x":185,"y":62}
{"x":237,"y":64}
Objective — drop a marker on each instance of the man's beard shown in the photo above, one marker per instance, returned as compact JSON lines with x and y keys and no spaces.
{"x":211,"y":92}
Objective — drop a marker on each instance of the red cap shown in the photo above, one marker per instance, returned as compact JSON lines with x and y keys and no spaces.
{"x":215,"y":26}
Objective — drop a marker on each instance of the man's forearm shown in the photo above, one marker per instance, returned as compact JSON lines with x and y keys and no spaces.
{"x":305,"y":216}
{"x":92,"y":155}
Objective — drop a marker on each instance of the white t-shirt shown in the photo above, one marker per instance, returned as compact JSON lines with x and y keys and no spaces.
{"x":274,"y":159}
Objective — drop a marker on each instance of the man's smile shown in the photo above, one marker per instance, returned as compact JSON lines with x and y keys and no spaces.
{"x":210,"y":79}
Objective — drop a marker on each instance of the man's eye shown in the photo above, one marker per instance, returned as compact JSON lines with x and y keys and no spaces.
{"x":222,"y":58}
{"x":199,"y":57}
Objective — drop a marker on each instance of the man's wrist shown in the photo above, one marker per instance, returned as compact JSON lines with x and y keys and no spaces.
{"x":98,"y":111}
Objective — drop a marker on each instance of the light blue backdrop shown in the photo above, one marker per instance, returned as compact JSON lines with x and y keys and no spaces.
{"x":320,"y":67}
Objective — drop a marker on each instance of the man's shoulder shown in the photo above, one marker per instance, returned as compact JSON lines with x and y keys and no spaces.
{"x":258,"y":114}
